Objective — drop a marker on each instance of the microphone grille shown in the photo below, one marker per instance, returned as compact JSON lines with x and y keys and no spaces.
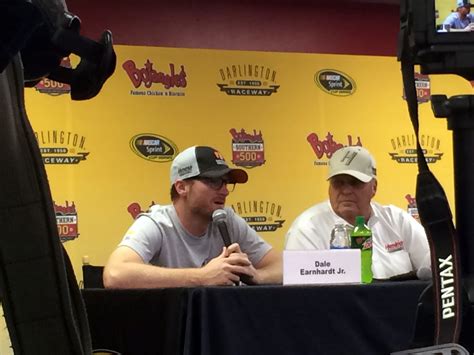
{"x":219,"y":215}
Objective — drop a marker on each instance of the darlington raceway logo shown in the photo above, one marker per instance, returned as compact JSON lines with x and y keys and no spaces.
{"x":335,"y":82}
{"x":262,"y":216}
{"x":153,"y":147}
{"x":423,"y":88}
{"x":66,"y":219}
{"x":247,"y":149}
{"x":248,"y":80}
{"x":327,"y":147}
{"x":61,"y":147}
{"x":404,"y":149}
{"x":54,"y":88}
{"x":147,"y":76}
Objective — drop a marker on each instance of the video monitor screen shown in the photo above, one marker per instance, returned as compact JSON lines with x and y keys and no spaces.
{"x":453,"y":16}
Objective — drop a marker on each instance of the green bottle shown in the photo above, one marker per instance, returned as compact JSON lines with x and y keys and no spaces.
{"x":361,"y":238}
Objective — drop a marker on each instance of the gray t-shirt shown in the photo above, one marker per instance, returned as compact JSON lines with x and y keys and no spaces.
{"x":160,"y":239}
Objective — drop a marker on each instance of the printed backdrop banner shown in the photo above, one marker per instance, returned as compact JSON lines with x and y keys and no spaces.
{"x":280,"y":116}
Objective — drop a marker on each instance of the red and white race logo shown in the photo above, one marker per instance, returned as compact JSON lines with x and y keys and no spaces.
{"x":247,"y":149}
{"x":52,"y":87}
{"x":66,"y":220}
{"x":423,"y":88}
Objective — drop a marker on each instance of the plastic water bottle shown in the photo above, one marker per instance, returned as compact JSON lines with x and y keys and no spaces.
{"x":339,"y":237}
{"x":361,"y":238}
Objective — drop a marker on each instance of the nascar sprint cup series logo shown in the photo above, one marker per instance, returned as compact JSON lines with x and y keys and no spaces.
{"x":66,"y":220}
{"x":335,"y":82}
{"x":247,"y":149}
{"x":61,"y":147}
{"x":262,"y":216}
{"x":248,"y":80}
{"x":153,"y":147}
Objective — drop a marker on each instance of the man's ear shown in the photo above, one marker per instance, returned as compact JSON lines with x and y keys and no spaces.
{"x":374,"y":187}
{"x":180,"y":187}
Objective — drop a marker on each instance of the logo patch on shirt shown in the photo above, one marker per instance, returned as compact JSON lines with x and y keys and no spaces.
{"x":395,"y":246}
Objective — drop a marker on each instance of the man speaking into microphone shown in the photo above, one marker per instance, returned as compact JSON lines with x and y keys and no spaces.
{"x":196,"y":240}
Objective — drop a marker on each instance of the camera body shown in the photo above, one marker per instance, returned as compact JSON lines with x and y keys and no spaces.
{"x":436,"y":48}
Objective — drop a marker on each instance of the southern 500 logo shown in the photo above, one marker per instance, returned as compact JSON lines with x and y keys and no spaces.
{"x":247,"y":149}
{"x":66,"y":220}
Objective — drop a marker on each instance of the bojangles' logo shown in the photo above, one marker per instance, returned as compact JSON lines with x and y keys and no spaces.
{"x":328,"y":145}
{"x":147,"y":76}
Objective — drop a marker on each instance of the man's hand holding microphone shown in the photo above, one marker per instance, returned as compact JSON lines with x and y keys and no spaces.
{"x":232,"y":266}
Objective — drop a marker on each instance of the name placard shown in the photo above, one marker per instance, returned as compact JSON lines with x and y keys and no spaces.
{"x":335,"y":266}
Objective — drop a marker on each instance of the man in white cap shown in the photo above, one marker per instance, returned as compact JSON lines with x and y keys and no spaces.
{"x":179,"y":245}
{"x":400,"y":246}
{"x":461,"y":19}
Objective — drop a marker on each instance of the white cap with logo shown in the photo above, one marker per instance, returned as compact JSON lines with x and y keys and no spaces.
{"x":352,"y":160}
{"x":463,"y":3}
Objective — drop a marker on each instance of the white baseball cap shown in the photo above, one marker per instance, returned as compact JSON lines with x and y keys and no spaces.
{"x":352,"y":160}
{"x":204,"y":162}
{"x":463,"y":3}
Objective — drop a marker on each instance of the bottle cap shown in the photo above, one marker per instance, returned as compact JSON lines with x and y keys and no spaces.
{"x":360,"y":220}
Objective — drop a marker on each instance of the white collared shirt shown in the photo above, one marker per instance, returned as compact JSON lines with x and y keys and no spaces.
{"x":399,"y":241}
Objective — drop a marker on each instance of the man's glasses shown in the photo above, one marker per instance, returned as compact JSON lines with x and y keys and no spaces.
{"x":217,"y":183}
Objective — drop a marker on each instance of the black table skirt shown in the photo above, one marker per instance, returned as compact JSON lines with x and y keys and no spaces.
{"x":296,"y":320}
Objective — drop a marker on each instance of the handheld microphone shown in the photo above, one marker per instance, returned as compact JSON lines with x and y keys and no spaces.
{"x":219,"y":217}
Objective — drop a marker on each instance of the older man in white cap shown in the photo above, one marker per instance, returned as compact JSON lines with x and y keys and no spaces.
{"x":461,"y":19}
{"x":400,"y":246}
{"x":179,"y":245}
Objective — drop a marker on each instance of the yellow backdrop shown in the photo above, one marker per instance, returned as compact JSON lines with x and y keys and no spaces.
{"x":278,"y":115}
